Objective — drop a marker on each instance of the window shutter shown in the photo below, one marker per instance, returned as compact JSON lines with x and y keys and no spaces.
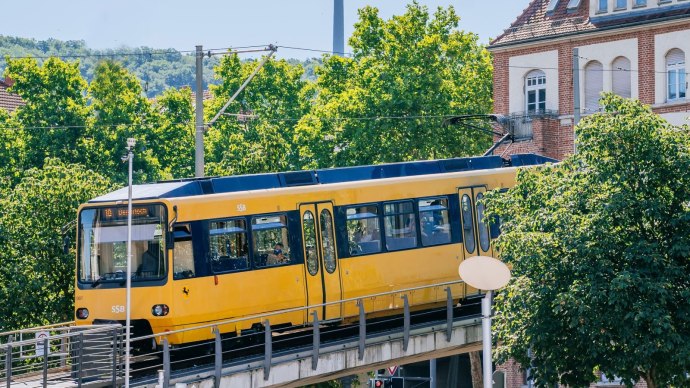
{"x":594,"y":84}
{"x":675,"y":57}
{"x":621,"y":77}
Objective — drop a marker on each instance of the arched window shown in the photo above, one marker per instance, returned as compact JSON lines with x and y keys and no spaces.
{"x":675,"y":68}
{"x":535,"y":91}
{"x":621,"y":77}
{"x":594,"y":85}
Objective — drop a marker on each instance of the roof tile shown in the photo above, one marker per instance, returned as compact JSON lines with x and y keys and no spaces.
{"x":535,"y":22}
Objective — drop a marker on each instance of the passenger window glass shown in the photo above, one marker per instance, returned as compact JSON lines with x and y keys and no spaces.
{"x":484,"y":242}
{"x":228,"y":245}
{"x":183,"y":255}
{"x":467,"y":223}
{"x":433,"y":221}
{"x":363,"y":231}
{"x":310,"y":242}
{"x":400,"y":226}
{"x":270,"y":236}
{"x":327,"y":241}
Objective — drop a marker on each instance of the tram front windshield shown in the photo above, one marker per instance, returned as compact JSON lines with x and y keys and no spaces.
{"x":103,"y":244}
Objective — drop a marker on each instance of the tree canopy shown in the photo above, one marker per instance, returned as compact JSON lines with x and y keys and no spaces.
{"x":599,"y":248}
{"x":388,"y":101}
{"x":36,"y":275}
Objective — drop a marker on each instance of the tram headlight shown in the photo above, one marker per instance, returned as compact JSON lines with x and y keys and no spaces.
{"x":82,"y":313}
{"x":160,"y":310}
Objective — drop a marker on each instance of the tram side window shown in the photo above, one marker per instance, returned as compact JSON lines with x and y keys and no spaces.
{"x":433,"y":221}
{"x":467,"y":223}
{"x":270,"y":236}
{"x":400,"y":225}
{"x":328,"y":241}
{"x":309,"y":230}
{"x":228,"y":245}
{"x":363,"y":230}
{"x":482,"y":225}
{"x":183,"y":254}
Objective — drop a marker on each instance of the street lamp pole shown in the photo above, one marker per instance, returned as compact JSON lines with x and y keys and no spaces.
{"x":489,"y":274}
{"x":487,"y":368}
{"x":130,"y":157}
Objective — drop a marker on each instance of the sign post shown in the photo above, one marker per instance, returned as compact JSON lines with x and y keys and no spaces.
{"x":40,"y":339}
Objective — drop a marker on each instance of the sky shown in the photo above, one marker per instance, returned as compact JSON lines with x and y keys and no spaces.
{"x":182,"y":25}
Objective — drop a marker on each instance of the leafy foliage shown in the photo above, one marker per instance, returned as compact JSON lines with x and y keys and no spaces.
{"x":120,"y":112}
{"x":36,"y":276}
{"x":383,"y":104}
{"x":80,"y":113}
{"x":157,"y":69}
{"x":55,"y":112}
{"x":599,"y":247}
{"x":264,"y":143}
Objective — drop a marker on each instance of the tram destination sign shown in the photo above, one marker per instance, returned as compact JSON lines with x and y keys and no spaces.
{"x":120,"y":213}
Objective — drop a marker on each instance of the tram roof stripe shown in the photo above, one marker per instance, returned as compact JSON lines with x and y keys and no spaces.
{"x":229,"y":184}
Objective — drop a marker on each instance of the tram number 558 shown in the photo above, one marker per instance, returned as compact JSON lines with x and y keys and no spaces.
{"x":118,"y":309}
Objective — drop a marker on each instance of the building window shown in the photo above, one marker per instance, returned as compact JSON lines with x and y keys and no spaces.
{"x":594,"y":85}
{"x":640,"y":3}
{"x":621,"y":77}
{"x":603,"y":6}
{"x":535,"y":91}
{"x":552,"y":6}
{"x":573,"y":4}
{"x":621,"y":4}
{"x":675,"y":68}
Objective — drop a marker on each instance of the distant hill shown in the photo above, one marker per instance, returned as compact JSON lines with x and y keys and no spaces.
{"x":158,"y":69}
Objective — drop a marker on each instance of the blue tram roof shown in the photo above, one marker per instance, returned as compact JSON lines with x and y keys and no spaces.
{"x":229,"y":184}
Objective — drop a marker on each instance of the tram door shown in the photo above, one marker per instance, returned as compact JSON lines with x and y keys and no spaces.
{"x":321,"y":261}
{"x":476,"y":236}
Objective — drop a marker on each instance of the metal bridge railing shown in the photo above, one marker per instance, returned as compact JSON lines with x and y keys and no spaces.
{"x":94,"y":355}
{"x":217,"y":354}
{"x":48,"y":355}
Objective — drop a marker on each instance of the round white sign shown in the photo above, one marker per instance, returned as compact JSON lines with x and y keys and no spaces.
{"x":484,"y":273}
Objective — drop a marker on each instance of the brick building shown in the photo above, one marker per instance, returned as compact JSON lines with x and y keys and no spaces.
{"x":8,"y":101}
{"x":634,"y":48}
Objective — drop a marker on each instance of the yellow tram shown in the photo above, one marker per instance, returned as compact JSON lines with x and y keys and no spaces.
{"x":212,"y":249}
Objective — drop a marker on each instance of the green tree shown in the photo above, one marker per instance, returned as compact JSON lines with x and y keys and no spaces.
{"x":173,"y":140}
{"x":120,"y":111}
{"x":599,"y":247}
{"x":384,"y":103}
{"x":52,"y":122}
{"x":265,"y":142}
{"x":11,"y":150}
{"x":36,"y":276}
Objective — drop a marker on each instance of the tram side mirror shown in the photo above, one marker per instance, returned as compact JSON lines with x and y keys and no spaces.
{"x":65,"y":244}
{"x":169,"y":240}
